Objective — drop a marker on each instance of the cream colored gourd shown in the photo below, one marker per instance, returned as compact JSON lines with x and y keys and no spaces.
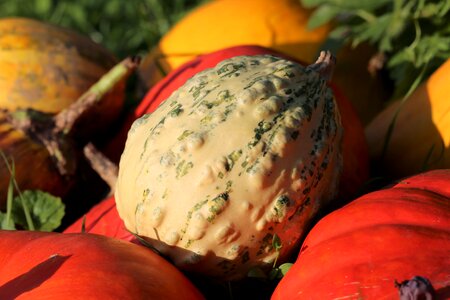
{"x":242,"y":152}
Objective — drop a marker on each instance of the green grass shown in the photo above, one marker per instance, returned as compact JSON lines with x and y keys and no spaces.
{"x":125,"y":27}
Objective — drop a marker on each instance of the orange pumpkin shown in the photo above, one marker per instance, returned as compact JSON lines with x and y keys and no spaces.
{"x":280,"y":25}
{"x":360,"y":250}
{"x":38,"y":265}
{"x":421,"y":134}
{"x":45,"y":148}
{"x":47,"y":68}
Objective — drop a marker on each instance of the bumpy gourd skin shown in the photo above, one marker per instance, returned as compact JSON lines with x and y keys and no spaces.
{"x":241,"y":152}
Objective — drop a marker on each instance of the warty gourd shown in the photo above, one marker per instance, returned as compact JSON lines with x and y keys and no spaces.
{"x":241,"y":154}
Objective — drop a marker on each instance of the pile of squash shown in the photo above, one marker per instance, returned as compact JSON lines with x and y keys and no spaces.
{"x":255,"y":166}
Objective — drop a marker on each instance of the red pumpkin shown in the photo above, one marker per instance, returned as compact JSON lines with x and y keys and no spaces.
{"x":37,"y":265}
{"x":356,"y":161}
{"x":358,"y":251}
{"x":102,"y":219}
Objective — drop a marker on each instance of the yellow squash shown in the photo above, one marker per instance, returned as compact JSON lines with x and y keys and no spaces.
{"x":280,"y":25}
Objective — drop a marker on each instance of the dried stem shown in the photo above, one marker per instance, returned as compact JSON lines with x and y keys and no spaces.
{"x":65,"y":120}
{"x":104,"y":167}
{"x":53,"y":131}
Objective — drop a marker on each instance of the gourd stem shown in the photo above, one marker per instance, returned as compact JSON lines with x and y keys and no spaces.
{"x":104,"y":167}
{"x":324,"y":65}
{"x":53,"y":131}
{"x":65,"y":120}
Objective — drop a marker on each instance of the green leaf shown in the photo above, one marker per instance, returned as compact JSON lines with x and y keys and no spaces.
{"x":347,"y":4}
{"x":42,"y":6}
{"x":411,"y":34}
{"x":336,"y":39}
{"x":406,"y":55}
{"x":113,"y":7}
{"x":322,"y":15}
{"x":278,"y":273}
{"x":45,"y":209}
{"x":8,"y":221}
{"x":284,"y":268}
{"x":430,"y":10}
{"x":374,"y":31}
{"x":5,"y":223}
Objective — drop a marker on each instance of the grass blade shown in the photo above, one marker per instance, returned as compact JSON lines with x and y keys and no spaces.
{"x":9,"y":199}
{"x":12,"y":171}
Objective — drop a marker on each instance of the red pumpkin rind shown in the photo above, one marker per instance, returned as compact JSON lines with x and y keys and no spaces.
{"x":102,"y":219}
{"x":360,"y":250}
{"x":37,"y":265}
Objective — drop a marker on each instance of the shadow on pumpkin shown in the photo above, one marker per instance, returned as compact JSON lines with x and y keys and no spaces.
{"x":32,"y":278}
{"x":248,"y":287}
{"x":419,"y":139}
{"x":443,"y":293}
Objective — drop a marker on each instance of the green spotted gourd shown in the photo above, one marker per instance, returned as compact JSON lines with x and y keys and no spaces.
{"x":241,"y":153}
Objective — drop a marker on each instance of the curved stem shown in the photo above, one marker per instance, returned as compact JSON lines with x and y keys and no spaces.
{"x":65,"y":120}
{"x":104,"y":167}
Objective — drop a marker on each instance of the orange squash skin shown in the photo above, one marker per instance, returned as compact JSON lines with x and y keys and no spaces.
{"x":358,"y":251}
{"x":47,"y":68}
{"x":279,"y":25}
{"x":421,"y":136}
{"x":34,"y":167}
{"x":38,"y":265}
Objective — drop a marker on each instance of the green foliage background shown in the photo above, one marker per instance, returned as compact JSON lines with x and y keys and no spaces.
{"x":125,"y":27}
{"x":412,"y":35}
